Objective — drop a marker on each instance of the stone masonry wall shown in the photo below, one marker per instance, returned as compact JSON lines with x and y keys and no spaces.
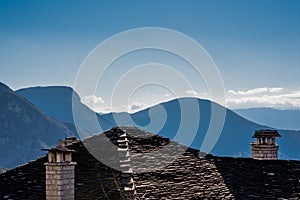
{"x":60,"y":179}
{"x":265,"y":152}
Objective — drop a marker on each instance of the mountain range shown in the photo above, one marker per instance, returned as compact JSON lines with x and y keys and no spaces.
{"x":25,"y":129}
{"x":281,"y":119}
{"x":56,"y":102}
{"x":234,"y":140}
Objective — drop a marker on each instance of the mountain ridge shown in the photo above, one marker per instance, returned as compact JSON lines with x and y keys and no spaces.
{"x":59,"y":102}
{"x":234,"y":139}
{"x":281,"y":119}
{"x":25,"y":129}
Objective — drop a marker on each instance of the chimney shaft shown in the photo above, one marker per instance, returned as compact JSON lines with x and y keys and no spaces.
{"x":265,"y":147}
{"x":60,"y":173}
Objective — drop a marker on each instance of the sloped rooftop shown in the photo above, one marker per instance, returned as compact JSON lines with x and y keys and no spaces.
{"x":190,"y":176}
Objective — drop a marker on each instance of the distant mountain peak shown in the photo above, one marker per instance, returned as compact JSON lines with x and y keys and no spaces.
{"x":21,"y":121}
{"x":52,"y":87}
{"x":50,"y":90}
{"x":4,"y":87}
{"x":58,"y":102}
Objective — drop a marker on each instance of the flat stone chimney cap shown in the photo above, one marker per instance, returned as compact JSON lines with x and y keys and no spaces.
{"x":59,"y":147}
{"x":265,"y":133}
{"x":73,"y":138}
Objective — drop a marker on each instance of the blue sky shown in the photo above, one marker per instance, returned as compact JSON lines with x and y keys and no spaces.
{"x":255,"y":44}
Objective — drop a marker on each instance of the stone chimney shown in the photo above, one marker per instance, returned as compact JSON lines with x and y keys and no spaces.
{"x":265,"y":147}
{"x":60,"y":172}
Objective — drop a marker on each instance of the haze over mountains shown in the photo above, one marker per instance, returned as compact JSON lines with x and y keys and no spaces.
{"x":25,"y":129}
{"x":234,"y":139}
{"x":282,"y":119}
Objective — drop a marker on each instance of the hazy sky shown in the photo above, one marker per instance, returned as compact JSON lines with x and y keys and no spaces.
{"x":255,"y":44}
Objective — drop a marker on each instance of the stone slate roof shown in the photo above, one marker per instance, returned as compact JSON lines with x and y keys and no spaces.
{"x":262,"y":133}
{"x":190,"y":176}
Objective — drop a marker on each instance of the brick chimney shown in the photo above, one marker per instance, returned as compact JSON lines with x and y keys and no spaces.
{"x":265,"y":147}
{"x":60,"y":172}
